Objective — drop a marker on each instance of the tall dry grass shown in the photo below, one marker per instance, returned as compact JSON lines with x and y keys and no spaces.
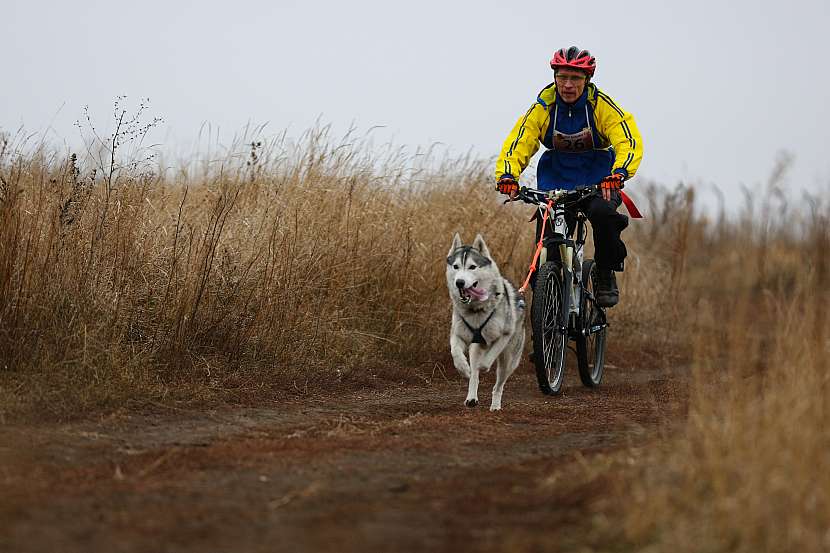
{"x":291,"y":267}
{"x":749,"y":470}
{"x":281,"y":266}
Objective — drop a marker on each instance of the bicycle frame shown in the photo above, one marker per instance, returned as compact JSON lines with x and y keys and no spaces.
{"x":563,"y":305}
{"x":570,"y":248}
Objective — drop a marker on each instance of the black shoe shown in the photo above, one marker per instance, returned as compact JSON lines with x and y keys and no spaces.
{"x":607,"y":293}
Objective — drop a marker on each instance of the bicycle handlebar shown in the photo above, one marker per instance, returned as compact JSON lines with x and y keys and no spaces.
{"x":536,"y":197}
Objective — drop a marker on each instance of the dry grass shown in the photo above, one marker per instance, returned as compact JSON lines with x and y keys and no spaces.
{"x":296,"y":267}
{"x":291,"y":267}
{"x":750,"y":468}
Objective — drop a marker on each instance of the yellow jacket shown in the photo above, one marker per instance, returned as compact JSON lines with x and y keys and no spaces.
{"x":612,"y":127}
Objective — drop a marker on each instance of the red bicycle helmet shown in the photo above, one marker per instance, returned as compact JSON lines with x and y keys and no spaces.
{"x":574,"y":58}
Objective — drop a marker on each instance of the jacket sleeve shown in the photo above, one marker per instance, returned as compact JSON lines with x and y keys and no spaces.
{"x":618,"y":126}
{"x":522,"y":142}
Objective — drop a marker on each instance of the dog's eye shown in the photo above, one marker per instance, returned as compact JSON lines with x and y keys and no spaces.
{"x":455,"y":266}
{"x":473,"y":267}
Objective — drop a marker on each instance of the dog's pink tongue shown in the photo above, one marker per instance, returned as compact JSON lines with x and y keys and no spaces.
{"x":478,"y":293}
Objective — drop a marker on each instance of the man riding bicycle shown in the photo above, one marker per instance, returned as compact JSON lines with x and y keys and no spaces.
{"x":589,"y":139}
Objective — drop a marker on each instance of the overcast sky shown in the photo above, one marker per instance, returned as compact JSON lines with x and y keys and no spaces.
{"x":717,"y":87}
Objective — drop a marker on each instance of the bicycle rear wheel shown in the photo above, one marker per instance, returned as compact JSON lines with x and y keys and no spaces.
{"x":549,"y":338}
{"x":591,"y":331}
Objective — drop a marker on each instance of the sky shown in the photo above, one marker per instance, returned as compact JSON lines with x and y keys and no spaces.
{"x":718,"y":89}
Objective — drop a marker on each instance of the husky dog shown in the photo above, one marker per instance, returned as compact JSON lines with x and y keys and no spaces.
{"x":487,"y":318}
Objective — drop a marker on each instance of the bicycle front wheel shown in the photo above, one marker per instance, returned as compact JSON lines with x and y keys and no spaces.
{"x":549,"y":336}
{"x":592,"y":331}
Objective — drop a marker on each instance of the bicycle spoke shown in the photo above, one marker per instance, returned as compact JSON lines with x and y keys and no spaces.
{"x":551,"y":331}
{"x":593,"y":329}
{"x":549,"y":341}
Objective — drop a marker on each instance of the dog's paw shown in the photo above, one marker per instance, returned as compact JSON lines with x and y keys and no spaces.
{"x":495,"y":407}
{"x":471,"y":402}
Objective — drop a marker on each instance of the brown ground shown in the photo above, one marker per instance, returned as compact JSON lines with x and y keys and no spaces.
{"x":397,"y":469}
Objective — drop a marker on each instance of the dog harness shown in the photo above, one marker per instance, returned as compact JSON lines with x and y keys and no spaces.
{"x":478,"y":338}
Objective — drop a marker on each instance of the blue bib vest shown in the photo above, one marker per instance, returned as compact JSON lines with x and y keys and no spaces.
{"x":572,"y":158}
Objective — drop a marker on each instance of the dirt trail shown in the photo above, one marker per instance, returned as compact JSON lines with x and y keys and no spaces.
{"x":398,"y":469}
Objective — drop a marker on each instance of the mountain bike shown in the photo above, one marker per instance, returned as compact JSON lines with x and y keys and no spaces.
{"x":564,"y":308}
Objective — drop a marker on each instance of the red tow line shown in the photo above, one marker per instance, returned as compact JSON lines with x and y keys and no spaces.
{"x":532,"y":268}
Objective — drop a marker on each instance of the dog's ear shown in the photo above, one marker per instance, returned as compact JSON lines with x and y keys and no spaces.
{"x":479,"y":244}
{"x":456,"y":243}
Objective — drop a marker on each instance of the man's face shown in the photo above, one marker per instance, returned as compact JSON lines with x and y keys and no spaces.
{"x":570,"y":83}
